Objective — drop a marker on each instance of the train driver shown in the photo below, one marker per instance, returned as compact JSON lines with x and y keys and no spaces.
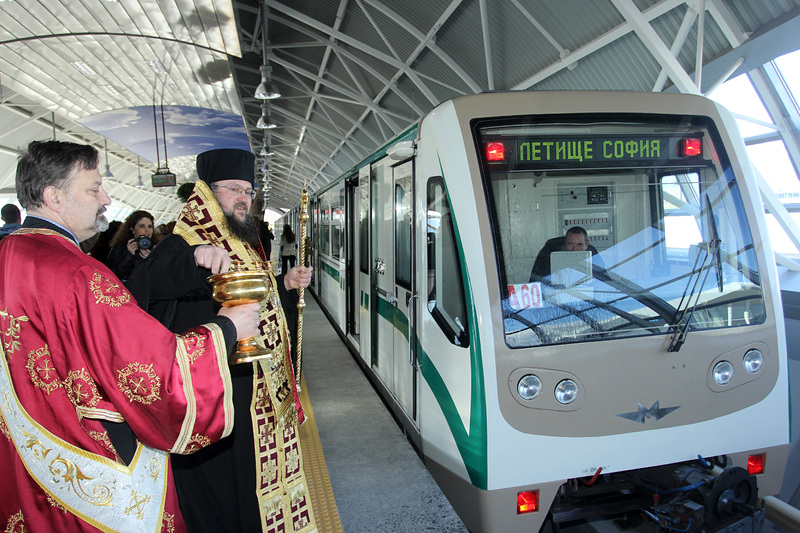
{"x":575,"y":240}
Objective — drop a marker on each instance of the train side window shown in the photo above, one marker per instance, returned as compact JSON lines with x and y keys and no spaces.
{"x":363,"y":223}
{"x":446,"y":298}
{"x":402,"y":225}
{"x":324,"y":229}
{"x":336,"y":233}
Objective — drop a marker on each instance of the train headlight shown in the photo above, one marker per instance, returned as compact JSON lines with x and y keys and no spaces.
{"x":529,"y":387}
{"x":723,"y":373}
{"x":566,"y":391}
{"x":753,"y":361}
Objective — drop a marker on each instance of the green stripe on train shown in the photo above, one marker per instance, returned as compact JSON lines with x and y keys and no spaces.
{"x":394,"y":316}
{"x":471,"y":444}
{"x":334,"y":273}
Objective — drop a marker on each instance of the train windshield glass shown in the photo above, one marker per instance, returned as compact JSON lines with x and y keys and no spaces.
{"x":605,"y":229}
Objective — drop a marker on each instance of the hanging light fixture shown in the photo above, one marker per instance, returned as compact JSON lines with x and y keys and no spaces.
{"x":162,"y":176}
{"x":107,"y":173}
{"x":266,"y":148}
{"x":266,"y":90}
{"x":139,"y":169}
{"x":265,"y":122}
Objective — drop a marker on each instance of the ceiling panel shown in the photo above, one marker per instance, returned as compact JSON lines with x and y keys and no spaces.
{"x":352,"y":73}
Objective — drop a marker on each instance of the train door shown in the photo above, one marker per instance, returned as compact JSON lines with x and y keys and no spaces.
{"x":382,"y":293}
{"x":392,"y":206}
{"x":405,"y":384}
{"x":352,"y":253}
{"x":364,"y":262}
{"x":311,"y":231}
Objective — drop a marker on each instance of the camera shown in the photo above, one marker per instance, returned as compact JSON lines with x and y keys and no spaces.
{"x":144,"y":242}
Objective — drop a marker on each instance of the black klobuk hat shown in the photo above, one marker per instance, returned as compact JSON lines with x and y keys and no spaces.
{"x":226,"y":164}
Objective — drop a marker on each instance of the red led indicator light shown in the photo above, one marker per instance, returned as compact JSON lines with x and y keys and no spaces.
{"x":691,"y":147}
{"x":755,"y":464}
{"x":495,"y":152}
{"x":527,"y":501}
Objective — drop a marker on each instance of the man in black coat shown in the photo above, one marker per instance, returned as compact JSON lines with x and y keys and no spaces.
{"x":234,"y":485}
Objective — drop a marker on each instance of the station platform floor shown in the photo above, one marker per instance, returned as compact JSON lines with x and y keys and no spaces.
{"x":363,"y":475}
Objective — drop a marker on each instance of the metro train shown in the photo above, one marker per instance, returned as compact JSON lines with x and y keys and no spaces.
{"x":644,"y":379}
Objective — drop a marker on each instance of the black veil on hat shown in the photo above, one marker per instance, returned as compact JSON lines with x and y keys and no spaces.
{"x":226,"y":164}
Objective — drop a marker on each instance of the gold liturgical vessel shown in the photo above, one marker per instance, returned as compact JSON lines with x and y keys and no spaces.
{"x":238,"y":287}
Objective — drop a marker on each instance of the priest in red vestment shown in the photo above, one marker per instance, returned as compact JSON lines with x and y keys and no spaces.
{"x":95,"y":393}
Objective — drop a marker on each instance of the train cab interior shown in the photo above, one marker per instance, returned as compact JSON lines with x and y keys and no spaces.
{"x":663,"y":212}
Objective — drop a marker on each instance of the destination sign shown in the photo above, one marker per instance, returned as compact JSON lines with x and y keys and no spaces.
{"x":537,"y":152}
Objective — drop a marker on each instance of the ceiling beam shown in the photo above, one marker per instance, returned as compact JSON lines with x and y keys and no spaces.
{"x":487,"y":45}
{"x":680,"y":39}
{"x":656,"y":46}
{"x":429,"y":41}
{"x":593,"y":46}
{"x":342,"y":52}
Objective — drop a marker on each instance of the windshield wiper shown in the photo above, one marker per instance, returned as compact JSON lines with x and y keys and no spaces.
{"x":683,"y":314}
{"x":712,"y":228}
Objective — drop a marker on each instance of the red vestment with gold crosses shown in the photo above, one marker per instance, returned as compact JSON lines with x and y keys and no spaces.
{"x":78,"y":350}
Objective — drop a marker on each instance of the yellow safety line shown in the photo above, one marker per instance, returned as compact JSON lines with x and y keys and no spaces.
{"x":326,"y":514}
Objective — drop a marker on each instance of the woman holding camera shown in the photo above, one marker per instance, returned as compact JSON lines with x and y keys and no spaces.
{"x":131,"y":244}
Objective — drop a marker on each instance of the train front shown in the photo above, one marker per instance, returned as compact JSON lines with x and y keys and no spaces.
{"x":629,"y":327}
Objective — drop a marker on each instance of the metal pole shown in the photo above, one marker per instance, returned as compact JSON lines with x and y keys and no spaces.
{"x":301,"y":304}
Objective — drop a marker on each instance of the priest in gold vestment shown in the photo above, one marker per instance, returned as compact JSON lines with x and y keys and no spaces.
{"x":253,"y":480}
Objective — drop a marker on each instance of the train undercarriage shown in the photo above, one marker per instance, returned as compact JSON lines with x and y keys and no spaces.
{"x":702,"y":496}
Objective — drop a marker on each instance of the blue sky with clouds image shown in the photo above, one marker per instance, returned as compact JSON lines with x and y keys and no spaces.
{"x":189,"y":130}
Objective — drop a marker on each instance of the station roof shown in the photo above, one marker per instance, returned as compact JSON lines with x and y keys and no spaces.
{"x":152,"y":83}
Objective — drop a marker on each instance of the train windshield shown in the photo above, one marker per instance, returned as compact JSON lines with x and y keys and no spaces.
{"x":614,"y":227}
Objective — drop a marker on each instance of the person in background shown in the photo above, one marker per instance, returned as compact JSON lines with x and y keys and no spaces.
{"x":288,"y":248}
{"x":309,"y":251}
{"x":161,"y":231}
{"x":253,"y":480}
{"x":132,"y":243}
{"x":88,"y":380}
{"x":266,"y":235}
{"x":11,"y":217}
{"x":102,"y":245}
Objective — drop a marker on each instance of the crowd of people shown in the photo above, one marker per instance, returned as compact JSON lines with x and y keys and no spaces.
{"x":121,"y":410}
{"x":118,"y":391}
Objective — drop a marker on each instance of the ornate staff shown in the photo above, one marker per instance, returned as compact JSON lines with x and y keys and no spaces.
{"x":301,"y":304}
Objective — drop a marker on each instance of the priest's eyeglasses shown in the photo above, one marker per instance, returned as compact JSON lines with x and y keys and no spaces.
{"x":252,"y":193}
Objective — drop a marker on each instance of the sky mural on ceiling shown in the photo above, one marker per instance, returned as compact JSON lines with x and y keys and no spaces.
{"x":189,"y":130}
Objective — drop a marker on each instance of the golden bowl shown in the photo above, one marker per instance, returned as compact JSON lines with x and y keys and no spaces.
{"x":237,"y":288}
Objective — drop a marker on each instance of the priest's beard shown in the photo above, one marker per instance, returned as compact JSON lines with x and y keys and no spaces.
{"x":246,"y":231}
{"x":101,"y":222}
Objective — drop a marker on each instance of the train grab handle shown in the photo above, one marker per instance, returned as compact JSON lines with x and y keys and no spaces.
{"x":411,"y":311}
{"x":388,"y":296}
